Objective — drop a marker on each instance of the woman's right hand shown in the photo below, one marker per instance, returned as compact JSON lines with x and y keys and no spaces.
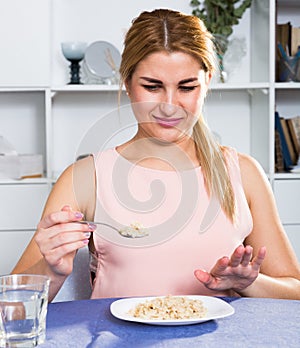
{"x":59,"y":236}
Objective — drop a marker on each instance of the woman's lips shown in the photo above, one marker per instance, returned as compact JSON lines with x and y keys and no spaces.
{"x":167,"y":122}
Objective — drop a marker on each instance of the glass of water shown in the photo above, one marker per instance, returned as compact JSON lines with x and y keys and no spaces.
{"x":23,"y":310}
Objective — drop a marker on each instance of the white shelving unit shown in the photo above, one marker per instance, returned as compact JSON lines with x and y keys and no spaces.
{"x":40,"y":113}
{"x":287,"y":103}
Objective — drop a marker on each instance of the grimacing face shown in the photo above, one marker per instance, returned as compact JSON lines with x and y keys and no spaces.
{"x":167,"y":92}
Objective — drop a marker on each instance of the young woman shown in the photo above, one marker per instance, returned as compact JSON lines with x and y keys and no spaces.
{"x":209,"y":213}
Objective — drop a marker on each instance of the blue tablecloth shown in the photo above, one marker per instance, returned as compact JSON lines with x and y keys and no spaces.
{"x":255,"y":323}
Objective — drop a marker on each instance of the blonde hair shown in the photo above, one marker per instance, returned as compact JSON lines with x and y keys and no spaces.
{"x":173,"y":31}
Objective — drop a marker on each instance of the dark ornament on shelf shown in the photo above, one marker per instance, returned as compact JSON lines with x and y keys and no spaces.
{"x":74,"y":53}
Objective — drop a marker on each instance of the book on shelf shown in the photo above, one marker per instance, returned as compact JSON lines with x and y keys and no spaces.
{"x":283,"y":35}
{"x":283,"y":44}
{"x":288,"y":163}
{"x":296,"y":123}
{"x":295,"y":140}
{"x":295,"y":40}
{"x":289,"y":141}
{"x":279,"y":164}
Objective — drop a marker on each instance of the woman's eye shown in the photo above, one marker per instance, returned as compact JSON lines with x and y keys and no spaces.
{"x":151,"y":87}
{"x":187,"y":88}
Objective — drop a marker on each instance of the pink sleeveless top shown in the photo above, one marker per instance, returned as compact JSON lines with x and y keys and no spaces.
{"x":187,"y":230}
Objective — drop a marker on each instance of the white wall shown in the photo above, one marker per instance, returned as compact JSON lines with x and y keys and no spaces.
{"x":24,"y":37}
{"x":90,"y":20}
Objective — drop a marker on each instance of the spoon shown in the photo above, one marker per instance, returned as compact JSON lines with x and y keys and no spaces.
{"x":134,"y":230}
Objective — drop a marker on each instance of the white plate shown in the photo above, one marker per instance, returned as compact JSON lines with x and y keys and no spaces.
{"x":102,"y":59}
{"x":216,"y":309}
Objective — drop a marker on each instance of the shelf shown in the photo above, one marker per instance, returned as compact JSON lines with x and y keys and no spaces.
{"x":86,"y":88}
{"x":21,"y":89}
{"x":66,"y":88}
{"x":116,"y":88}
{"x":26,"y":181}
{"x":287,"y":85}
{"x":245,"y":86}
{"x":286,"y":176}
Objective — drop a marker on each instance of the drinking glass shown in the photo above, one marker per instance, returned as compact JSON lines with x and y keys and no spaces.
{"x":23,"y":310}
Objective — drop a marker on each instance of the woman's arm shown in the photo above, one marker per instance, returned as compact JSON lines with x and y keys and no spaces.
{"x":53,"y":247}
{"x":280,"y":272}
{"x":266,"y":265}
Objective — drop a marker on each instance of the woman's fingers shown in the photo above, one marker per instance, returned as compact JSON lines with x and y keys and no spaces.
{"x":56,"y":256}
{"x":247,"y":257}
{"x":66,"y":208}
{"x":244,"y":256}
{"x":205,"y":278}
{"x":61,"y":228}
{"x":236,"y":272}
{"x":258,"y":259}
{"x":241,"y":256}
{"x":63,"y":238}
{"x":237,"y":256}
{"x":60,"y":234}
{"x":62,"y":216}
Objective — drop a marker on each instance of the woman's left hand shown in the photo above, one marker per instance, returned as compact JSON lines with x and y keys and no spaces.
{"x":235,"y":273}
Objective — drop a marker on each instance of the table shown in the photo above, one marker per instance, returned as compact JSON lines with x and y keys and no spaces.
{"x":255,"y":323}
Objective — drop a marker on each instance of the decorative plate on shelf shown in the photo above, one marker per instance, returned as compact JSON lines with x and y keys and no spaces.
{"x":102,"y":61}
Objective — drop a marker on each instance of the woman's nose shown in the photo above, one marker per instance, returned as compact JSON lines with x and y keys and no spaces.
{"x":169,"y":105}
{"x":168,"y":109}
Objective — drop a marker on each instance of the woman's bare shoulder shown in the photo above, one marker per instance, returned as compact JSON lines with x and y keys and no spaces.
{"x":254,"y":178}
{"x":75,"y":186}
{"x":250,"y":167}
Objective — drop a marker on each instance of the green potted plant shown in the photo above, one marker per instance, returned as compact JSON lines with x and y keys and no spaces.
{"x":219,"y":17}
